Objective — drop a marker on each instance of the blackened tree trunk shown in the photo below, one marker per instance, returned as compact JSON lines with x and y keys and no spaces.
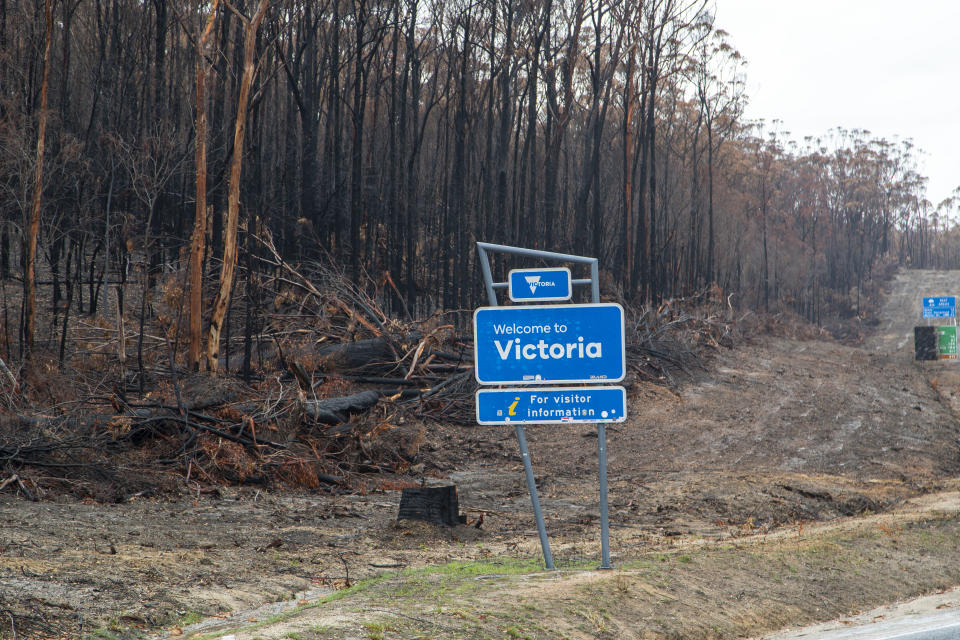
{"x":361,"y":16}
{"x":460,"y":208}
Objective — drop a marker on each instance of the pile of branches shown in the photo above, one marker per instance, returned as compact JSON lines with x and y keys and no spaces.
{"x":257,"y":436}
{"x":326,"y":328}
{"x":675,"y":337}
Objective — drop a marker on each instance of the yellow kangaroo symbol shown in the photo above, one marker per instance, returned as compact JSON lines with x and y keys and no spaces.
{"x":512,"y":411}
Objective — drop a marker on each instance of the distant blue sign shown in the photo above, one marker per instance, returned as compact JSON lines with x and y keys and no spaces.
{"x":940,"y":307}
{"x":551,"y":405}
{"x":540,"y":285}
{"x":549,"y":343}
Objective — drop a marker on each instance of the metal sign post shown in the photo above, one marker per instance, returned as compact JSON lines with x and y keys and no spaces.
{"x":535,"y":345}
{"x":534,"y":498}
{"x":604,"y":509}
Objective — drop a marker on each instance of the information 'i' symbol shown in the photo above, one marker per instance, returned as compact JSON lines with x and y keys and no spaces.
{"x":513,"y":407}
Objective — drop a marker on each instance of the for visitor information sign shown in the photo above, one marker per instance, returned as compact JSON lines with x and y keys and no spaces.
{"x":551,"y":405}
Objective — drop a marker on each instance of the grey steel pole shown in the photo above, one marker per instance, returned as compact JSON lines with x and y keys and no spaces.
{"x":604,"y":509}
{"x":487,"y":276}
{"x":534,"y":499}
{"x":595,"y":278}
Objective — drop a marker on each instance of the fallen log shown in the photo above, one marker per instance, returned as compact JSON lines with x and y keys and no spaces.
{"x":330,"y":479}
{"x":333,"y":411}
{"x":370,"y":356}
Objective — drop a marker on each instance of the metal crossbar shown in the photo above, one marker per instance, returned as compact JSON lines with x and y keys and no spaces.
{"x":484,"y":247}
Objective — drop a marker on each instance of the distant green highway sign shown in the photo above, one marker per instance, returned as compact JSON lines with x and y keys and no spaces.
{"x":947,"y":342}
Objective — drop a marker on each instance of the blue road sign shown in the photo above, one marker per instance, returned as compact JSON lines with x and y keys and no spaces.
{"x":551,"y":405}
{"x":940,"y":307}
{"x":540,"y":285}
{"x":545,"y":344}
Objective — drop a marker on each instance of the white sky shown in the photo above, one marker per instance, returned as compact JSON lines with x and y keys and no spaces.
{"x":888,"y":66}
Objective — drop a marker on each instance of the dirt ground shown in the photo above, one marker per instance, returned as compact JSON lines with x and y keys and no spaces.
{"x":772,"y":436}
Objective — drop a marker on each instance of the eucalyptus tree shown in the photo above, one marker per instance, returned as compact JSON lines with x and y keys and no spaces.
{"x":222,"y":300}
{"x":718,"y":78}
{"x":198,"y":239}
{"x":33,"y":222}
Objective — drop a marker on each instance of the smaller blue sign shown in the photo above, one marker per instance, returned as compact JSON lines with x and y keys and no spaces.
{"x":551,"y":405}
{"x":540,"y":285}
{"x":940,"y":307}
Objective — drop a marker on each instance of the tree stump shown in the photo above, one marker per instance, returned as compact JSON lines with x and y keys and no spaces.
{"x":438,"y":505}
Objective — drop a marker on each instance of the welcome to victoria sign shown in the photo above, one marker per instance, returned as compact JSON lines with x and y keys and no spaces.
{"x":545,"y":344}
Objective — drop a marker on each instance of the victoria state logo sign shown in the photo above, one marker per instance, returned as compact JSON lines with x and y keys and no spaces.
{"x":535,"y":282}
{"x":551,"y":284}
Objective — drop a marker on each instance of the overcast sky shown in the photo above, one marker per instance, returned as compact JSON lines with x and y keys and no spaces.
{"x":892,"y":68}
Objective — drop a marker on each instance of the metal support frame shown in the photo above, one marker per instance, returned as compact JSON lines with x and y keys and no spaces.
{"x":594,"y":281}
{"x":491,"y":286}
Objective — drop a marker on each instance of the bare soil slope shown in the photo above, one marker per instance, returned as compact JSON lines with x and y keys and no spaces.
{"x":773,"y":436}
